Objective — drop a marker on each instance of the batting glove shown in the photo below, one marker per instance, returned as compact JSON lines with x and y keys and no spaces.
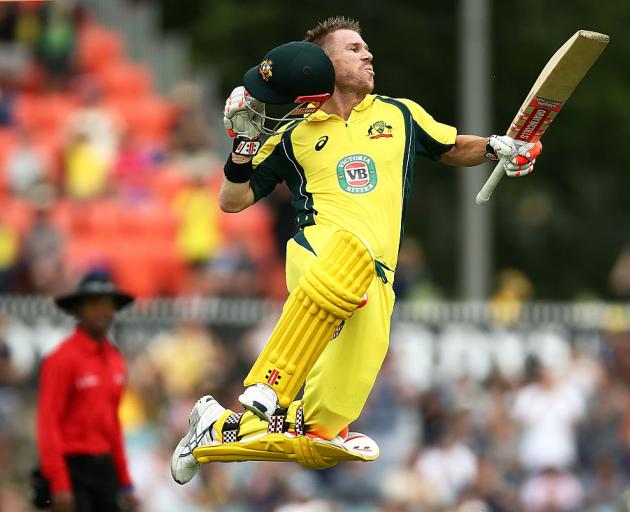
{"x":520,"y":156}
{"x":243,"y":114}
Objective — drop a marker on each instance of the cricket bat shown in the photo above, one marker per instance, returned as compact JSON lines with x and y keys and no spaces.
{"x":552,"y":89}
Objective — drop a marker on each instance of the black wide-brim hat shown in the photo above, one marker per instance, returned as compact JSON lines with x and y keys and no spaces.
{"x":290,"y":71}
{"x":95,"y":284}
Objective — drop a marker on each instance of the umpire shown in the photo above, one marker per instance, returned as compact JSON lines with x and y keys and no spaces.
{"x":79,"y":436}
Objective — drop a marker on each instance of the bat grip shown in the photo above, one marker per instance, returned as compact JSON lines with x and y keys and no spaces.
{"x":491,"y":183}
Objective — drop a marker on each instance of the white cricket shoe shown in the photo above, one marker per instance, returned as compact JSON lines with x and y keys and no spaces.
{"x":261,"y":400}
{"x":200,"y":433}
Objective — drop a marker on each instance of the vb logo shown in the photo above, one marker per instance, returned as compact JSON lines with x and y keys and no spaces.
{"x":357,"y":174}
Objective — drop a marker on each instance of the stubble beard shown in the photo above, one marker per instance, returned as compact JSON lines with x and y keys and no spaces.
{"x":358,"y":87}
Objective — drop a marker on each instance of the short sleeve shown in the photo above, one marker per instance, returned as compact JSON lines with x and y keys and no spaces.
{"x":268,"y":165}
{"x":432,"y":138}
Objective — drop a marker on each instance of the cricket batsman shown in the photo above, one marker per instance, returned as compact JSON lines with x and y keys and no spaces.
{"x":348,"y":159}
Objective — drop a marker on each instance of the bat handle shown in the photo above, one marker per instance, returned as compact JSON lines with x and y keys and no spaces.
{"x":491,"y":183}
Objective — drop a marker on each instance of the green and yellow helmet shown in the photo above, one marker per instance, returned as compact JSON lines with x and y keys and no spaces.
{"x":295,"y":72}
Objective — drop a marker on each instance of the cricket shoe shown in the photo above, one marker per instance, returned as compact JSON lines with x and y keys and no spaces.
{"x":261,"y":400}
{"x":201,"y":421}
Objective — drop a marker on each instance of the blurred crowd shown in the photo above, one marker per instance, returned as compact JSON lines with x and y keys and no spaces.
{"x":468,"y":419}
{"x":98,"y":171}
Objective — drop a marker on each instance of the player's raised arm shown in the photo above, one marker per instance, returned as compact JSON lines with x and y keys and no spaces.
{"x":235,"y":197}
{"x":239,"y":120}
{"x":250,"y":175}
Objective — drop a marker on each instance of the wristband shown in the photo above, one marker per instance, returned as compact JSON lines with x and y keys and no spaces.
{"x":245,"y":147}
{"x":490,"y":153}
{"x":237,"y":173}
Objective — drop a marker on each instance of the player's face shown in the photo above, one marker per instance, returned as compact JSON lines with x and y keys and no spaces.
{"x":352,"y":60}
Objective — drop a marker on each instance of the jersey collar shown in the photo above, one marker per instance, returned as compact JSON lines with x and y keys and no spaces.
{"x":89,"y":344}
{"x":365,"y":102}
{"x":320,"y":115}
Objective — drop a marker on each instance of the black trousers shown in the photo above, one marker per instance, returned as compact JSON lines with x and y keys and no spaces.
{"x":94,"y":483}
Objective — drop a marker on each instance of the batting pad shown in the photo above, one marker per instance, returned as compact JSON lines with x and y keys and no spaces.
{"x":326,"y":295}
{"x":287,"y":447}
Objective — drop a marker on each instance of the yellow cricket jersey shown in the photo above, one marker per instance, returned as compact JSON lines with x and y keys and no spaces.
{"x":356,"y":174}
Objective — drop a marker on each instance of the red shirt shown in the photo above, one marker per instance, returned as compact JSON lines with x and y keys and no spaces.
{"x":81,"y":384}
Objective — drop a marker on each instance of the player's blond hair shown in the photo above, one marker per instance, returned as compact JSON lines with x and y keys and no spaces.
{"x":323,"y":29}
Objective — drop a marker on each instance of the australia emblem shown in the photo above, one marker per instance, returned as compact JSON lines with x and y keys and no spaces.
{"x":264,"y":68}
{"x":380,"y":129}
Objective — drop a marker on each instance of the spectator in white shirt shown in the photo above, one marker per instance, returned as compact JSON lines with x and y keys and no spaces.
{"x":547,"y":412}
{"x":25,"y":166}
{"x":447,"y":468}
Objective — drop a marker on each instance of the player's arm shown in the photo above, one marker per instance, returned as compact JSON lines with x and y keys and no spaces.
{"x":441,"y":142}
{"x":248,"y":179}
{"x":242,"y":117}
{"x":234,"y":196}
{"x":468,"y":151}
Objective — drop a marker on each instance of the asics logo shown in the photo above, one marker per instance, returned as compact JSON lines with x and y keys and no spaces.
{"x":321,"y":143}
{"x":196,"y":440}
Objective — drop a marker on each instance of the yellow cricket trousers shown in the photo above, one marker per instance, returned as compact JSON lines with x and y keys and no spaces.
{"x":340,"y":382}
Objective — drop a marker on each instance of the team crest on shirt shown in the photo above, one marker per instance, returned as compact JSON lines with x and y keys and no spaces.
{"x":357,"y":174}
{"x":264,"y":69}
{"x":380,"y":129}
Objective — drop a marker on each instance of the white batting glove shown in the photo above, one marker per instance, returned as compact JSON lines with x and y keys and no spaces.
{"x":238,"y":119}
{"x":520,"y":156}
{"x":523,"y":162}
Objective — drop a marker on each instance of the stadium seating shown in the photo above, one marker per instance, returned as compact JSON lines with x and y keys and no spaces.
{"x":124,"y":79}
{"x":131,"y":226}
{"x":44,"y":112}
{"x":98,"y":47}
